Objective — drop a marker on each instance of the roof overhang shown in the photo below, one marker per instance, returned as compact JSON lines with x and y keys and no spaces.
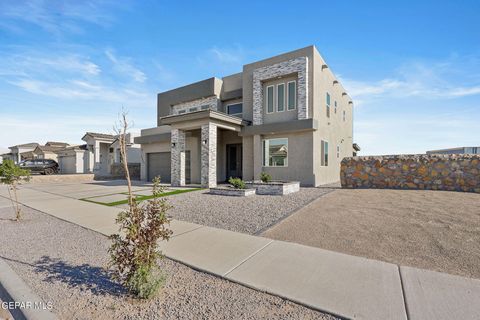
{"x":281,"y":127}
{"x":195,"y":120}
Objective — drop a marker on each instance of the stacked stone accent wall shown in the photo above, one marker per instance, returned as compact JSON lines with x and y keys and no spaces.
{"x":211,"y":102}
{"x":119,"y":173}
{"x":209,"y":156}
{"x":178,"y":157}
{"x":299,"y":66}
{"x":429,"y":172}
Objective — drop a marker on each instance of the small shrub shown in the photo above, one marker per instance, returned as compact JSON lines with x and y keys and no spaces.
{"x":145,"y":282}
{"x":265,"y":177}
{"x":12,"y":175}
{"x":134,"y":256}
{"x":134,"y":252}
{"x":237,"y":183}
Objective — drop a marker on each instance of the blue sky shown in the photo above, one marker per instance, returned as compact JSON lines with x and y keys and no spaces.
{"x":412,"y":67}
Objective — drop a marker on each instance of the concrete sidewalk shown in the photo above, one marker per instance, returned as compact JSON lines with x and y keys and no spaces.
{"x":347,"y":286}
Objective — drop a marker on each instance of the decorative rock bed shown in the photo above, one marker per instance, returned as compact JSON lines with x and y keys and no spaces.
{"x":275,"y":188}
{"x":229,"y":191}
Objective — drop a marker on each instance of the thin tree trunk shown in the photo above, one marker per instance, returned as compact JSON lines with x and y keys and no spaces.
{"x":16,"y":201}
{"x":14,"y":207}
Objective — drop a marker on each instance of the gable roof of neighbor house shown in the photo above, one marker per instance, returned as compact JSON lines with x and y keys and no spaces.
{"x":56,"y":144}
{"x":48,"y":148}
{"x":72,"y":148}
{"x":25,"y":145}
{"x":99,"y":135}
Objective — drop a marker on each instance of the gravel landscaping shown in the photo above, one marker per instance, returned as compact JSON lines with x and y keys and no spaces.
{"x":436,"y":230}
{"x":242,"y":214}
{"x":65,"y":264}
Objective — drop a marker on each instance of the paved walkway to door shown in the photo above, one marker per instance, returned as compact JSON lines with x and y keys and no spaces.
{"x":344,"y":285}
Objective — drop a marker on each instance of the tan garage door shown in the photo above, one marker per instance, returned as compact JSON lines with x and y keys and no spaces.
{"x":67,"y":164}
{"x":159,"y":164}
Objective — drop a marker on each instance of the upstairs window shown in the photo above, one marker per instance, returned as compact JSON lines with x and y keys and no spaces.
{"x":269,"y":97}
{"x":344,"y":116}
{"x":281,"y":97}
{"x":235,"y":109}
{"x":205,"y":107}
{"x":338,"y":151}
{"x":324,"y":153}
{"x":193,"y":109}
{"x":335,"y":106}
{"x":328,"y":105}
{"x":292,"y":95}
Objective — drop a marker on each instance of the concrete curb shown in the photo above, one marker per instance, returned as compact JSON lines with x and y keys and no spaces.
{"x":13,"y":289}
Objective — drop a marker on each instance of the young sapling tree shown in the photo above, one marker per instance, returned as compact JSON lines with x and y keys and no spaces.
{"x":13,"y":175}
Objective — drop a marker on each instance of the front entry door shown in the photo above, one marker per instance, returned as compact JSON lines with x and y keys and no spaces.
{"x":234,"y":160}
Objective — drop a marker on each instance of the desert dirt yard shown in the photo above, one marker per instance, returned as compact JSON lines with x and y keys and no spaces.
{"x":436,"y":230}
{"x":66,"y":265}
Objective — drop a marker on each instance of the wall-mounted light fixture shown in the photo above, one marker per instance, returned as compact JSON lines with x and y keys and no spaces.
{"x":324,"y":66}
{"x":344,"y":93}
{"x":173,"y":144}
{"x":205,"y":141}
{"x":335,"y":82}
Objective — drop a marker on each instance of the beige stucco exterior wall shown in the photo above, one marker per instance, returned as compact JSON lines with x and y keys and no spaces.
{"x":300,"y":160}
{"x":333,"y":130}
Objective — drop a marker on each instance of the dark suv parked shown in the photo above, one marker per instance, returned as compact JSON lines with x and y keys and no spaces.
{"x":43,"y":166}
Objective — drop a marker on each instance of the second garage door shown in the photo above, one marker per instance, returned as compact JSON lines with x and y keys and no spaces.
{"x":67,"y":164}
{"x":159,"y":165}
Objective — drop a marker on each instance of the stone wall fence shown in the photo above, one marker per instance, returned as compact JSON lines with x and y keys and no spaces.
{"x":118,"y":172}
{"x":452,"y":172}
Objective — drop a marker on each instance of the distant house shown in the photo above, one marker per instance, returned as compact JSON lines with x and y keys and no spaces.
{"x":75,"y":159}
{"x":105,"y":151}
{"x":459,"y":150}
{"x":22,"y":151}
{"x":48,"y":151}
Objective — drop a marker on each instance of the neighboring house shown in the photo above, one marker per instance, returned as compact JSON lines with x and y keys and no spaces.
{"x":23,"y":151}
{"x":105,"y":151}
{"x":287,"y":115}
{"x":99,"y":146}
{"x":459,"y":150}
{"x":134,"y":152}
{"x":48,"y":151}
{"x":74,"y":159}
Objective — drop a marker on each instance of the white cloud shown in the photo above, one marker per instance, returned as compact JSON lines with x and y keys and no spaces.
{"x":30,"y":63}
{"x":227,"y":59}
{"x":79,"y":89}
{"x":227,"y":55}
{"x":58,"y":16}
{"x":123,"y":65}
{"x":440,"y":80}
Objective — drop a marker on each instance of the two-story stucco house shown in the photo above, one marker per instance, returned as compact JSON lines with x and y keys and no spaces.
{"x":287,"y":115}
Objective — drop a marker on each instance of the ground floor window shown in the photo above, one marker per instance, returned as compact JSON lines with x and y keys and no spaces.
{"x":275,"y":152}
{"x":324,"y":153}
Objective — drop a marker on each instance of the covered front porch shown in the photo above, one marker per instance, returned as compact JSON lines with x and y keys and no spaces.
{"x":215,"y":154}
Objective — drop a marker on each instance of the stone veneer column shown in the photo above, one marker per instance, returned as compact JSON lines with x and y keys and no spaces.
{"x":209,"y":156}
{"x":257,"y":156}
{"x":178,"y":158}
